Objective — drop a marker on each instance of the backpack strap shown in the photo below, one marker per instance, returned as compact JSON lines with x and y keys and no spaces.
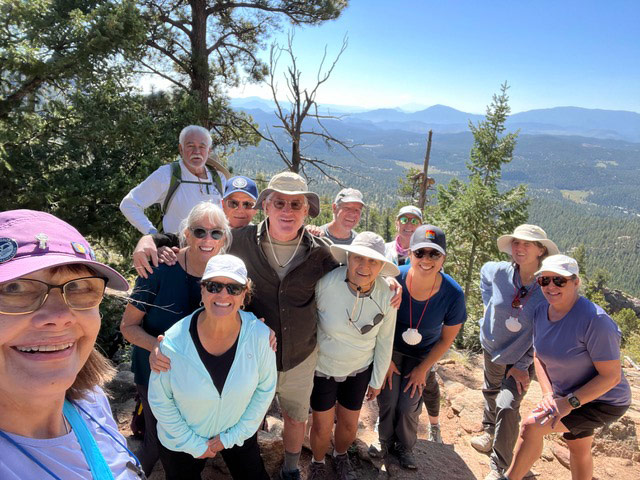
{"x":174,"y":183}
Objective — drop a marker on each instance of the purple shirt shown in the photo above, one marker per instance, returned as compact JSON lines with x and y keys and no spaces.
{"x":62,"y":455}
{"x":569,"y":346}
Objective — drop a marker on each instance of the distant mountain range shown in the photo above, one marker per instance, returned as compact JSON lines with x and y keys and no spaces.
{"x":594,"y":123}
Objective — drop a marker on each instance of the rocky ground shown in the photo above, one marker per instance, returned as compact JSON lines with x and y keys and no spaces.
{"x":616,"y":450}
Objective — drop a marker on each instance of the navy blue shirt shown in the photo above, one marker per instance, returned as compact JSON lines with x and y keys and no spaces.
{"x":168,"y":295}
{"x":446,"y":307}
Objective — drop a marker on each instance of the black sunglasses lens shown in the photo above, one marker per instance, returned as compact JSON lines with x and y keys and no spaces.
{"x":212,"y":287}
{"x":559,"y":281}
{"x":234,"y":288}
{"x":217,"y":234}
{"x":199,"y":232}
{"x":378,"y":318}
{"x":233,"y":203}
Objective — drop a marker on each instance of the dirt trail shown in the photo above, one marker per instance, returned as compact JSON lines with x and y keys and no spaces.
{"x":616,"y":451}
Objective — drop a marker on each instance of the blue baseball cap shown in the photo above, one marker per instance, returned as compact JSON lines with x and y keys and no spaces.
{"x":241,"y":184}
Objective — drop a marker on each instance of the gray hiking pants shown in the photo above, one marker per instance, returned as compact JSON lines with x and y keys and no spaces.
{"x":501,"y":415}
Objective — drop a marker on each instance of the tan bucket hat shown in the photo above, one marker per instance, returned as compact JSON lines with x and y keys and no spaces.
{"x":529,"y":233}
{"x":289,"y":183}
{"x":367,"y":244}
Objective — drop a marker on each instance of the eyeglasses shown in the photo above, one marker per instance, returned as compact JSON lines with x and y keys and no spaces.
{"x":368,"y":327}
{"x":247,"y":205}
{"x":200,"y":232}
{"x":433,"y":254}
{"x":521,"y":294}
{"x":280,"y":203}
{"x":413,"y":220}
{"x":23,"y":296}
{"x":558,"y":281}
{"x":234,"y":289}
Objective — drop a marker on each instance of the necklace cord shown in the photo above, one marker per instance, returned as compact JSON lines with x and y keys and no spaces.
{"x":409,"y":280}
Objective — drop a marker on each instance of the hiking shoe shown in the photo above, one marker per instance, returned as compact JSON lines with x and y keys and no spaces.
{"x":493,"y":475}
{"x":434,"y":433}
{"x":378,"y":449}
{"x":294,"y":475}
{"x":405,"y":456}
{"x":317,"y":471}
{"x":483,"y":443}
{"x":344,"y":469}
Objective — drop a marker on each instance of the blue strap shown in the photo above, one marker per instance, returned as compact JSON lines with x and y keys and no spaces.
{"x":28,"y":455}
{"x":99,"y":468}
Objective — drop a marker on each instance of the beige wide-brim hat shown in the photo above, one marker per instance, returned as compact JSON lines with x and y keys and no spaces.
{"x":289,"y":183}
{"x":529,"y":233}
{"x":367,"y":244}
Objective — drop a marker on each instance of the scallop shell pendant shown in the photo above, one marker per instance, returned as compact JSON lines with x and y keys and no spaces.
{"x":513,"y":325}
{"x":411,"y":336}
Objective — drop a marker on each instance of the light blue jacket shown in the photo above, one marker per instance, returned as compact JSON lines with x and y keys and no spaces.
{"x":186,"y":403}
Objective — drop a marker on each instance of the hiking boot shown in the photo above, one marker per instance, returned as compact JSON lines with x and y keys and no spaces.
{"x":317,"y":471}
{"x":344,"y":469}
{"x":378,"y":449}
{"x":405,"y":456}
{"x":483,"y":443}
{"x":294,"y":475}
{"x":434,"y":433}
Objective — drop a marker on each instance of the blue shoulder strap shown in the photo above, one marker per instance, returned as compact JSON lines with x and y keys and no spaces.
{"x":98,"y":465}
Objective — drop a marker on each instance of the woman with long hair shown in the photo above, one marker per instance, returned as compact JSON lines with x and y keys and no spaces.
{"x":577,"y":362}
{"x":55,"y":420}
{"x":510,"y":295}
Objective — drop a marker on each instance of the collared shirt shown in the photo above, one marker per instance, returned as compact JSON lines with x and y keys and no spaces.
{"x":154,"y":189}
{"x":288,"y":305}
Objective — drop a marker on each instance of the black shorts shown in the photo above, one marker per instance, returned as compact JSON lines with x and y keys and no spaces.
{"x":349,"y":393}
{"x":582,"y":421}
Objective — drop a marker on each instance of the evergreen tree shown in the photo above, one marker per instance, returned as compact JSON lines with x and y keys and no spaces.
{"x":474,"y":214}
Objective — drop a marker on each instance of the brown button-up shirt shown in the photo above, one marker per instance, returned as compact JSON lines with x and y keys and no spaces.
{"x":288,"y":306}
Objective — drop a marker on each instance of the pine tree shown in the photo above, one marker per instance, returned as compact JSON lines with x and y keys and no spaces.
{"x":475,"y":213}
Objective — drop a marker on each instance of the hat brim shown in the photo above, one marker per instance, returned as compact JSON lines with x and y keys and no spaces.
{"x":435,"y":246}
{"x":349,"y":200}
{"x":25,"y":265}
{"x":339,"y":252}
{"x":504,"y":243}
{"x":240,"y":190}
{"x":312,"y":198}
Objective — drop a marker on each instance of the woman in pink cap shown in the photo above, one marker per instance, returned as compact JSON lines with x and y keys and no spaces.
{"x":55,"y":421}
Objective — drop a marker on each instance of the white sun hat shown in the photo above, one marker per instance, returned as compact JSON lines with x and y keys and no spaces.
{"x":228,"y":266}
{"x":529,"y":233}
{"x":367,"y":244}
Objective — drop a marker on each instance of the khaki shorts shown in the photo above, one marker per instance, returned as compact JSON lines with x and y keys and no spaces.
{"x":294,"y":388}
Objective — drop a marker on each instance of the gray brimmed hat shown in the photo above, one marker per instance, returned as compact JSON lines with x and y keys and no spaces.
{"x":289,"y":183}
{"x":367,"y":244}
{"x":529,"y":233}
{"x":347,"y":195}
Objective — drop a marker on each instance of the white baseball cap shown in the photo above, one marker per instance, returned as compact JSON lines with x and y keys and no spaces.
{"x":560,"y":264}
{"x":228,"y":266}
{"x":410,"y":210}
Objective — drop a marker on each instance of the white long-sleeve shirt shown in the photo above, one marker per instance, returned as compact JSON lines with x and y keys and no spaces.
{"x":342,"y":349}
{"x":154,"y":190}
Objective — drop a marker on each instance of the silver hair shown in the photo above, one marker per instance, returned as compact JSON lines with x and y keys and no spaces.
{"x":194,"y":128}
{"x":211,"y":212}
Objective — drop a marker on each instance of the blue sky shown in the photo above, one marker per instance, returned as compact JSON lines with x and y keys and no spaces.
{"x":458,"y":52}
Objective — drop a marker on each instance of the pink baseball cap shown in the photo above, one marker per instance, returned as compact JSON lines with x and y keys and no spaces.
{"x":32,"y":241}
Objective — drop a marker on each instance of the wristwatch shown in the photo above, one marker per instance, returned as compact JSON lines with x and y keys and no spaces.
{"x":573,"y":400}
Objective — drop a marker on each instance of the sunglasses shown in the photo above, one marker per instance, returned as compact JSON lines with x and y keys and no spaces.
{"x":433,"y":254}
{"x":233,"y":204}
{"x":367,"y":328}
{"x":558,"y":281}
{"x":521,"y":294}
{"x":279,"y":204}
{"x":404,"y":220}
{"x":200,"y":232}
{"x":22,"y":296}
{"x":234,"y":289}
